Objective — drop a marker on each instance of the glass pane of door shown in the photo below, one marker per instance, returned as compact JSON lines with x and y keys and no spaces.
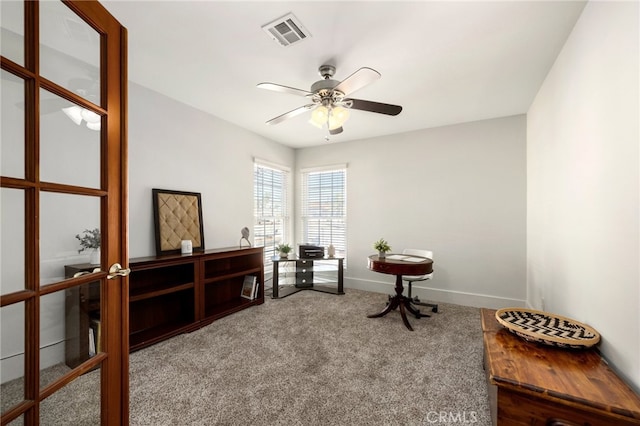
{"x":12,"y":231}
{"x":70,"y":329}
{"x":69,"y":51}
{"x":12,"y":320}
{"x":69,"y":142}
{"x":69,"y":233}
{"x":12,"y":35}
{"x":12,"y":123}
{"x":82,"y":313}
{"x":77,"y":403}
{"x":52,"y":325}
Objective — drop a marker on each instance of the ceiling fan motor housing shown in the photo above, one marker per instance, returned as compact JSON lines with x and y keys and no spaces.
{"x":327,"y":84}
{"x":322,"y":90}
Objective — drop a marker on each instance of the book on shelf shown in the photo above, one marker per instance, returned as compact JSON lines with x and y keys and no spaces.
{"x":255,"y":290}
{"x":92,"y":343}
{"x":249,"y":287}
{"x":97,"y":335}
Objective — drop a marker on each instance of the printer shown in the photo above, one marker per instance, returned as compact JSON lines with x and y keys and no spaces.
{"x":307,"y":251}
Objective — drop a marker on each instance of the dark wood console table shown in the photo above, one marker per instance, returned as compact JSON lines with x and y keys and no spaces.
{"x":307,"y":275}
{"x":395,"y":265}
{"x":168,"y":295}
{"x":174,"y":294}
{"x":533,"y":384}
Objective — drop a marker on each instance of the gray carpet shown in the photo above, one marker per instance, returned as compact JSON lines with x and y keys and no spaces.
{"x":308,"y":359}
{"x":316,"y":359}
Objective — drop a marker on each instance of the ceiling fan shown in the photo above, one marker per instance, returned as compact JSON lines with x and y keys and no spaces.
{"x":330,"y":99}
{"x":88,"y":88}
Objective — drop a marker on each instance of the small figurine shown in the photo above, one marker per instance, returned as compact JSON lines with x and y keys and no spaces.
{"x":245,"y":236}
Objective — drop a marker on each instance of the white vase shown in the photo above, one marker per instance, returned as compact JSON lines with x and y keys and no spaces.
{"x":331,"y":250}
{"x":94,"y":259}
{"x":284,"y":255}
{"x":381,"y":255}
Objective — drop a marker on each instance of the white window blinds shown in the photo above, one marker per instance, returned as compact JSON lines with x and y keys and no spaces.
{"x":324,"y":208}
{"x":271,"y":208}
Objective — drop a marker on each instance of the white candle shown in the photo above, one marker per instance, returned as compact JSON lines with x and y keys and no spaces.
{"x":186,"y":246}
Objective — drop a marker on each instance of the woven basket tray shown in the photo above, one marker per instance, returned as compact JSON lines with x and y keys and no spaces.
{"x":548,"y":329}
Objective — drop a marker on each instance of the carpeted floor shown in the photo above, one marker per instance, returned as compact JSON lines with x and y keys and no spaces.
{"x":309,"y":359}
{"x":316,"y":359}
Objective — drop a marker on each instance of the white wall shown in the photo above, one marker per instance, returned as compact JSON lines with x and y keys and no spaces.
{"x":457,"y":190}
{"x":583,"y":190}
{"x":174,"y":146}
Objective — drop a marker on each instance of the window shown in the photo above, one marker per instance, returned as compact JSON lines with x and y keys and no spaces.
{"x":271,"y":208}
{"x":324,"y":207}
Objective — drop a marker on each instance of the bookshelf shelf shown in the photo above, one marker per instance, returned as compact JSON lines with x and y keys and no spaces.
{"x":216,"y":311}
{"x":133,"y":297}
{"x":149,"y":336}
{"x":231,"y":275}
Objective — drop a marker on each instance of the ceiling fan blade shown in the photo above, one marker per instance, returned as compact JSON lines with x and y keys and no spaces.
{"x":291,"y":113}
{"x":284,"y":89}
{"x":357,"y":80}
{"x":336,"y":131}
{"x":370,"y":106}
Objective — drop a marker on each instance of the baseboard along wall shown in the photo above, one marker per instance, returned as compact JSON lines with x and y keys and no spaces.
{"x":437,"y":295}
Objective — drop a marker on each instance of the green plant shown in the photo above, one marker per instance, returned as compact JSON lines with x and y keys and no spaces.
{"x":382,"y":246}
{"x":89,"y":240}
{"x":284,"y":248}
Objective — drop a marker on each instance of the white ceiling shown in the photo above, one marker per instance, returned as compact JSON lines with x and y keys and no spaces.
{"x":445,"y":62}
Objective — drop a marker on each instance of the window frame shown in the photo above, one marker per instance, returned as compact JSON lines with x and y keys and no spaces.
{"x":337,"y":209}
{"x":285,"y":218}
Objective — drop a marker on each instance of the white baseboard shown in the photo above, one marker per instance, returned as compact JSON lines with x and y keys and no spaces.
{"x":12,"y":367}
{"x":437,"y":295}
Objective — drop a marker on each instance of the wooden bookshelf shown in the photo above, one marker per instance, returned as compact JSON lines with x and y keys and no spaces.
{"x":168,"y":295}
{"x":174,"y":294}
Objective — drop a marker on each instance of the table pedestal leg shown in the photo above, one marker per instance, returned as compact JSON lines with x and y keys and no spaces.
{"x":397,"y":301}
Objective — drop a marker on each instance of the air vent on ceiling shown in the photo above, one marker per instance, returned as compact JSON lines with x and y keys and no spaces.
{"x":286,"y":30}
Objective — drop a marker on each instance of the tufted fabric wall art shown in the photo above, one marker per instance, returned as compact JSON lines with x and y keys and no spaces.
{"x":178,"y":216}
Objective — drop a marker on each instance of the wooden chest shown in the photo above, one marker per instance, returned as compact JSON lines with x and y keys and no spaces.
{"x":532,"y":384}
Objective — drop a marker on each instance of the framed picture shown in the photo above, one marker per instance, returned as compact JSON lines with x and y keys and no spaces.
{"x":178,"y":217}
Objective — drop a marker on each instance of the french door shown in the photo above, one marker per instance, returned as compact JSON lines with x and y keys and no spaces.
{"x":63,"y":294}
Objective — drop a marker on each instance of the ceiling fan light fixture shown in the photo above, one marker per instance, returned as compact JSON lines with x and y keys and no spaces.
{"x":319,"y":116}
{"x":90,"y":116}
{"x":337,"y":117}
{"x":93,"y":126}
{"x":77,"y":114}
{"x":74,"y":113}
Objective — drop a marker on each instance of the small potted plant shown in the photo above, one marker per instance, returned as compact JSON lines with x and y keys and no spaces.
{"x":283,"y":250}
{"x":382,"y":247}
{"x":90,"y":239}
